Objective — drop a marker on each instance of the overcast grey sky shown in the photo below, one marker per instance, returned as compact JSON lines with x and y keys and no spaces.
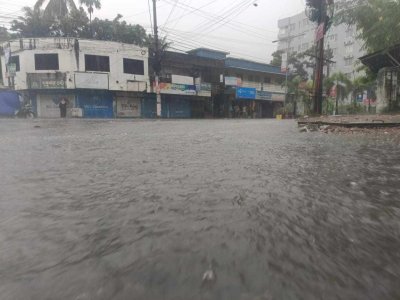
{"x":236,"y":26}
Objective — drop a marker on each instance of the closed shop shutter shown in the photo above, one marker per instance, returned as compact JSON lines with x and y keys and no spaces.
{"x":96,"y":105}
{"x":128,"y":107}
{"x":176,"y":107}
{"x":47,"y":105}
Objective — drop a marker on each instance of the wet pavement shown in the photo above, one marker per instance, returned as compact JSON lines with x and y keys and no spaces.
{"x":147,"y":209}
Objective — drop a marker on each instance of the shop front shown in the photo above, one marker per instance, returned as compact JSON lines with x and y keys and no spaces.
{"x":128,"y":104}
{"x":47,"y":103}
{"x":93,"y":95}
{"x":46,"y":91}
{"x":95,"y":104}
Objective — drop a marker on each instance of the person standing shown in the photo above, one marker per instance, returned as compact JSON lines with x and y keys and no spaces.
{"x":63,"y":108}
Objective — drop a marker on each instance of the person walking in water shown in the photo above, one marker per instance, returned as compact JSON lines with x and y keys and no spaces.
{"x":63,"y":108}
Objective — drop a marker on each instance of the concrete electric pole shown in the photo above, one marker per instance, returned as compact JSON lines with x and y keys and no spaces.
{"x":157,"y":62}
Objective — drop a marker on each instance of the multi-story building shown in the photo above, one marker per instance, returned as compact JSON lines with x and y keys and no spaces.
{"x":297,"y":34}
{"x":186,"y":83}
{"x":102,"y":79}
{"x":207,"y":83}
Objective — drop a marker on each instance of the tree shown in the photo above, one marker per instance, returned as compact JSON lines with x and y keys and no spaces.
{"x":34,"y":23}
{"x":119,"y":31}
{"x":343,"y":87}
{"x":277,"y":58}
{"x":4,"y":34}
{"x":91,"y":5}
{"x":56,"y":9}
{"x":377,"y":22}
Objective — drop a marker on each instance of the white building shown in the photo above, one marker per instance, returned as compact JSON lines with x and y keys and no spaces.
{"x":102,"y":78}
{"x":297,"y":34}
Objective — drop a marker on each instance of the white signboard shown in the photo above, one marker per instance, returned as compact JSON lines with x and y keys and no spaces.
{"x":91,"y":81}
{"x":233,"y":81}
{"x":178,"y":79}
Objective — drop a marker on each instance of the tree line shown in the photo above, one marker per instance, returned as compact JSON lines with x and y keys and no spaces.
{"x":62,"y":18}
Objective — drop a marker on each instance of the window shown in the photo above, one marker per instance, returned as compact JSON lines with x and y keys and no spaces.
{"x":292,"y":27}
{"x":97,"y":63}
{"x":46,"y":62}
{"x":15,"y":60}
{"x":257,"y":78}
{"x":348,"y":61}
{"x":133,"y":66}
{"x":349,"y":49}
{"x":267,"y":80}
{"x":251,"y":78}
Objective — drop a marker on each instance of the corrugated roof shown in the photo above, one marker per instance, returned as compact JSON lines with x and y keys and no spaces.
{"x":251,"y":66}
{"x":389,"y":57}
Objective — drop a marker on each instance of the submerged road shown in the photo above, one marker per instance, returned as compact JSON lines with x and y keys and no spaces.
{"x":142,"y":209}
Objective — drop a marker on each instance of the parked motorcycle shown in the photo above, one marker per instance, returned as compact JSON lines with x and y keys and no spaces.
{"x":25,"y":112}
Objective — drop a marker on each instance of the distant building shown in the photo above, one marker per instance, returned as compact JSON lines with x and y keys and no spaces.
{"x":297,"y":34}
{"x":102,"y":79}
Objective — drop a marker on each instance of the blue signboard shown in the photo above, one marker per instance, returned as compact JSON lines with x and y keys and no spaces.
{"x":246,"y":93}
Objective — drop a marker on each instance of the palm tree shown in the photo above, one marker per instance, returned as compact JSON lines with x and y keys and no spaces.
{"x":91,"y":5}
{"x":56,"y":9}
{"x":343,"y":87}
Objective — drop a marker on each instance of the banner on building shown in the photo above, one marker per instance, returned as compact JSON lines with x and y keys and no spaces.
{"x":233,"y":81}
{"x":203,"y":89}
{"x":177,"y":89}
{"x":95,"y":81}
{"x":46,"y":80}
{"x":264,"y":95}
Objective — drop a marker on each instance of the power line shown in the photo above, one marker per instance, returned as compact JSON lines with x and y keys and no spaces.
{"x":170,"y":13}
{"x":213,"y":17}
{"x":151,"y":20}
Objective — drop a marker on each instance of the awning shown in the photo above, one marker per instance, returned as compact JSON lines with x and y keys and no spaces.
{"x":386,"y":58}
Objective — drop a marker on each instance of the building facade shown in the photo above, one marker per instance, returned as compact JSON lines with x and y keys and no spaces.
{"x":208,"y":83}
{"x":297,"y":34}
{"x":99,"y":79}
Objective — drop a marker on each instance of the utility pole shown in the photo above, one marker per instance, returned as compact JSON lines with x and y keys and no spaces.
{"x":157,"y":62}
{"x":319,"y":70}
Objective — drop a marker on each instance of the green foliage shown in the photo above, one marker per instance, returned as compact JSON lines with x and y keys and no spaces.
{"x":277,"y":58}
{"x":342,"y":83}
{"x":119,"y":31}
{"x":34,"y":23}
{"x":56,"y":9}
{"x":377,"y":22}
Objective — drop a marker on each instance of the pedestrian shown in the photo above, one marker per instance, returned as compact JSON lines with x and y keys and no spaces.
{"x":63,"y":107}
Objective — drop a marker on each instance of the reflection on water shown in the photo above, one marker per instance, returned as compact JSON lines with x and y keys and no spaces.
{"x":228,"y":209}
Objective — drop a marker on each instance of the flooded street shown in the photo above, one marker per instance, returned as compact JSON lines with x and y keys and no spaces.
{"x":142,"y":209}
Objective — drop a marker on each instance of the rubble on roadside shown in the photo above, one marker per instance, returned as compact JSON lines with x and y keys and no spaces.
{"x":337,"y":129}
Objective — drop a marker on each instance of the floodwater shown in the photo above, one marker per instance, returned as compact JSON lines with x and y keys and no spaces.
{"x":142,"y":209}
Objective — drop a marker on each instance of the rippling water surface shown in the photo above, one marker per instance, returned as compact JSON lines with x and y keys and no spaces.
{"x":141,"y":209}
